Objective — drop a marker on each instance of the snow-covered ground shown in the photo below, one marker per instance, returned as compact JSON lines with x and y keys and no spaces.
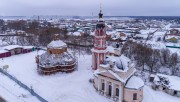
{"x":157,"y":96}
{"x":62,"y":87}
{"x":12,"y":92}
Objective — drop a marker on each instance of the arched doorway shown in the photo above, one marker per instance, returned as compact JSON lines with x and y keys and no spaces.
{"x":110,"y":88}
{"x":117,"y":92}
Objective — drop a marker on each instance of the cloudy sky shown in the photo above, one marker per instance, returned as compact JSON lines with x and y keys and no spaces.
{"x":87,"y":7}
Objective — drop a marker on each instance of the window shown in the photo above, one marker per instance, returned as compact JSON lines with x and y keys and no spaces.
{"x":117,"y":91}
{"x":50,"y":52}
{"x":102,"y":86}
{"x":135,"y":96}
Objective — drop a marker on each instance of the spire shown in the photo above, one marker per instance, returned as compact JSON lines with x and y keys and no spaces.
{"x":100,"y":14}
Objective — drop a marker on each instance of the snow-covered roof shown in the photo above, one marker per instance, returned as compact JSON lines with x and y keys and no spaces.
{"x":76,"y":34}
{"x":110,"y":32}
{"x":125,"y":61}
{"x":142,"y":35}
{"x":28,"y":47}
{"x":135,"y":83}
{"x":92,"y":33}
{"x":56,"y":44}
{"x":156,"y":45}
{"x":147,"y":31}
{"x":51,"y":60}
{"x":121,"y":63}
{"x":10,"y":47}
{"x":160,"y":33}
{"x":110,"y":49}
{"x":3,"y":51}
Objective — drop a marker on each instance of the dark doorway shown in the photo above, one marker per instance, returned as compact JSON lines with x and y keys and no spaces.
{"x":117,"y":92}
{"x":135,"y":96}
{"x":110,"y":88}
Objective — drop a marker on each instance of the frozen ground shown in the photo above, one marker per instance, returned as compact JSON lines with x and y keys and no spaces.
{"x":157,"y":96}
{"x":62,"y":87}
{"x":10,"y":91}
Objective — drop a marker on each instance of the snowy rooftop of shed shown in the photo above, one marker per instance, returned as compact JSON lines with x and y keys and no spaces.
{"x":3,"y":51}
{"x":28,"y":47}
{"x":56,"y":44}
{"x":10,"y":47}
{"x":135,"y":83}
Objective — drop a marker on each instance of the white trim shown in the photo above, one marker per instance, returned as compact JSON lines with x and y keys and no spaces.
{"x":120,"y":93}
{"x":112,"y":90}
{"x":93,"y":61}
{"x":99,"y":51}
{"x":105,"y":87}
{"x":99,"y":83}
{"x":100,"y":36}
{"x":98,"y":62}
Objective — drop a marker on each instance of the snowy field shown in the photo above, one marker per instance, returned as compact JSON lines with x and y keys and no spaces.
{"x":10,"y":91}
{"x":61,"y":87}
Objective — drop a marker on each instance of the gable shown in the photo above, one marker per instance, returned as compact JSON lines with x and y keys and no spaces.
{"x":109,"y":75}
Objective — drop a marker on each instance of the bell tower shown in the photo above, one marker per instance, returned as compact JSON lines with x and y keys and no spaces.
{"x":99,"y":50}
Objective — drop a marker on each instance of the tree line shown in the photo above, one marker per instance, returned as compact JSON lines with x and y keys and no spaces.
{"x":150,"y":59}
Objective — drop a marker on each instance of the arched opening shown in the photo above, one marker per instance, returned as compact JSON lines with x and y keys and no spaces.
{"x":117,"y":91}
{"x":110,"y":88}
{"x":103,"y":86}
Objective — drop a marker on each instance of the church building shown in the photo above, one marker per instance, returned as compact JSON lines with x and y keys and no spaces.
{"x":113,"y":72}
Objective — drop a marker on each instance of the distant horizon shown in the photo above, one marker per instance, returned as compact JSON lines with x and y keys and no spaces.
{"x":85,"y":16}
{"x":91,"y":7}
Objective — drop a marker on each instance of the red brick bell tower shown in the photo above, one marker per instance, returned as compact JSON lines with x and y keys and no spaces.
{"x":99,"y":50}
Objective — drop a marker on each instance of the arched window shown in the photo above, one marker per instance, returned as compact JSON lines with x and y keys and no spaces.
{"x":102,"y":86}
{"x":134,"y":96}
{"x":110,"y":88}
{"x":117,"y":91}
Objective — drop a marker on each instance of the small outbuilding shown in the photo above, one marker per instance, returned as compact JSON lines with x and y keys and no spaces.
{"x":14,"y":49}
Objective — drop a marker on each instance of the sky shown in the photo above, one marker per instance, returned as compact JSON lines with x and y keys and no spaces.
{"x":90,"y":7}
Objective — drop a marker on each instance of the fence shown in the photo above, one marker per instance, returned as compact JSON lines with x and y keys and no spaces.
{"x":23,"y":85}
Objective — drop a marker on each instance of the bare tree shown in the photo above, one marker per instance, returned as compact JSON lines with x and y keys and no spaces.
{"x":173,"y":62}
